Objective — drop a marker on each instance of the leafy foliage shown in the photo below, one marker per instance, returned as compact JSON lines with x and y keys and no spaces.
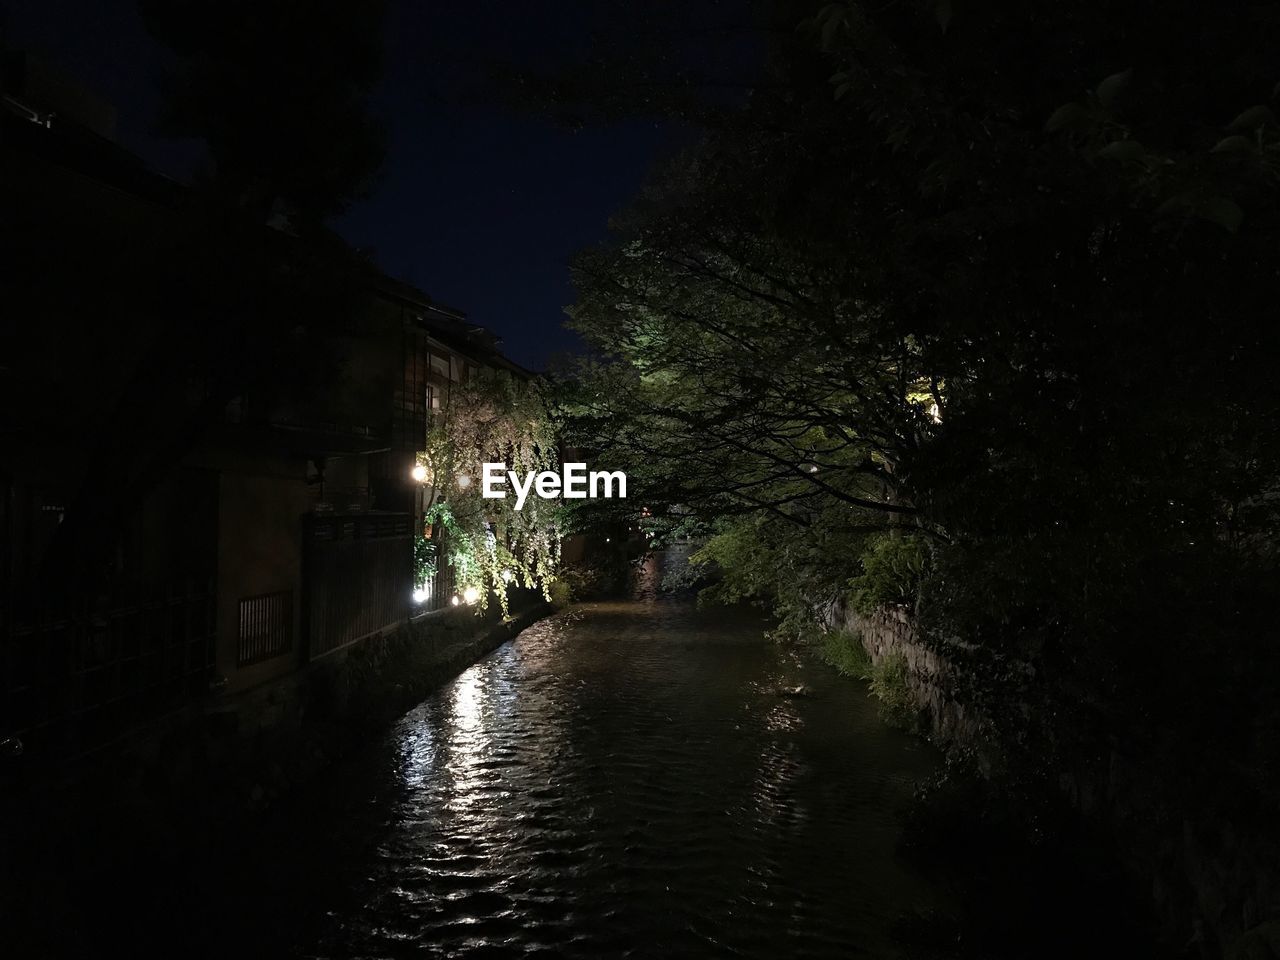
{"x":893,"y":569}
{"x":999,"y":280}
{"x":845,"y":652}
{"x":493,"y":418}
{"x":281,"y":106}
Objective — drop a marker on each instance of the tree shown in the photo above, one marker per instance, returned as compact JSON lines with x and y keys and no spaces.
{"x":278,"y":91}
{"x":492,"y":418}
{"x":1001,"y":275}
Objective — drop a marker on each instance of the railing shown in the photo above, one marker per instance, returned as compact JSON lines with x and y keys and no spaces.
{"x":358,"y":577}
{"x":266,"y":627}
{"x":75,"y":680}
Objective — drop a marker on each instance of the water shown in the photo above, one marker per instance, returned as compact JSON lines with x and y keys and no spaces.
{"x":630,"y":779}
{"x":626,"y":779}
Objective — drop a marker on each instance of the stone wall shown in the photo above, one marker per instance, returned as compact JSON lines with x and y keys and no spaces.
{"x":889,"y":632}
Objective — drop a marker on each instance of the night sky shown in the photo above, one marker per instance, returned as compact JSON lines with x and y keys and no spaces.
{"x":478,"y":204}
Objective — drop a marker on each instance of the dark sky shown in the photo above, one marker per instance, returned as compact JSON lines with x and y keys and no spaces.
{"x":479,"y":205}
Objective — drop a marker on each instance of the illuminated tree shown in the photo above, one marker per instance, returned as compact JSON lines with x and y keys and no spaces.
{"x":493,"y":418}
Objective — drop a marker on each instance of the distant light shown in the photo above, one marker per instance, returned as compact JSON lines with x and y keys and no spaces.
{"x":507,"y":576}
{"x":422,"y":594}
{"x":813,"y":468}
{"x":419,"y":473}
{"x":464,"y":481}
{"x":606,"y":540}
{"x":471,"y":595}
{"x":934,"y":413}
{"x":455,"y":601}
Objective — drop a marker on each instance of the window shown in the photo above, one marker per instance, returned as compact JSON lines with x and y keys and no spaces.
{"x":266,"y":627}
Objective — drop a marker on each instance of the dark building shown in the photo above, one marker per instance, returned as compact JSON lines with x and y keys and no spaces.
{"x":247,"y":497}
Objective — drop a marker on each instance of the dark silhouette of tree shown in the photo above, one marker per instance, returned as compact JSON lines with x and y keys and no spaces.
{"x":278,"y":90}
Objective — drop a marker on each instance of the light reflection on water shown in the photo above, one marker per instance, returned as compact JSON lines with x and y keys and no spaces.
{"x":628,"y":779}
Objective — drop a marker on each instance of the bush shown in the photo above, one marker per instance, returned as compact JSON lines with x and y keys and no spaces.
{"x":561,"y":593}
{"x":887,"y":679}
{"x":892,"y":570}
{"x":845,"y":652}
{"x":889,"y":685}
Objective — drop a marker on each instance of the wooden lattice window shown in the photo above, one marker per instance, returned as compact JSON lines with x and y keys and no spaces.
{"x":266,"y":627}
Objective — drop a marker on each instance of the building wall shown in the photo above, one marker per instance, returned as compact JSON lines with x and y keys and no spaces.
{"x":262,"y":501}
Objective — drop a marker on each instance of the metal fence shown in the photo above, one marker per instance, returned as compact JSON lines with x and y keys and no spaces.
{"x":357,"y":578}
{"x":75,"y":680}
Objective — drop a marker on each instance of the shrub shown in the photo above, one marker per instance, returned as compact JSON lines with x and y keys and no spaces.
{"x":889,"y":685}
{"x":845,"y":652}
{"x":887,"y":680}
{"x":561,"y":593}
{"x":892,"y":570}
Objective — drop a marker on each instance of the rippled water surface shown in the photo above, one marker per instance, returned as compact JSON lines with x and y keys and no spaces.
{"x":630,"y":779}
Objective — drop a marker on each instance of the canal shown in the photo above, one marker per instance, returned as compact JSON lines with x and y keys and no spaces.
{"x":632,"y":778}
{"x":635,"y":778}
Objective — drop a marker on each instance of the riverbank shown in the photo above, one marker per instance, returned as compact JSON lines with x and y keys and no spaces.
{"x":1209,"y":885}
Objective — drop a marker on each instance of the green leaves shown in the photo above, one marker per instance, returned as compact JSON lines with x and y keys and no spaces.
{"x":493,"y":419}
{"x":1253,"y":118}
{"x":1235,"y":144}
{"x":1223,"y":211}
{"x":1078,"y":115}
{"x":942,"y":14}
{"x":1123,"y":150}
{"x":1069,"y":116}
{"x":1110,"y":88}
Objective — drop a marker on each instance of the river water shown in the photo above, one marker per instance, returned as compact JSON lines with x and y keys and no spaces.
{"x":632,"y":778}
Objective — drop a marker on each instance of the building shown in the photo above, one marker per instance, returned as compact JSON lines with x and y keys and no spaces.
{"x":205,"y":481}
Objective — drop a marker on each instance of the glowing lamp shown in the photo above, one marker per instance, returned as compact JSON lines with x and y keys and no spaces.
{"x":422,"y":594}
{"x":470,"y":595}
{"x":455,"y":601}
{"x":419,"y":473}
{"x":464,"y":481}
